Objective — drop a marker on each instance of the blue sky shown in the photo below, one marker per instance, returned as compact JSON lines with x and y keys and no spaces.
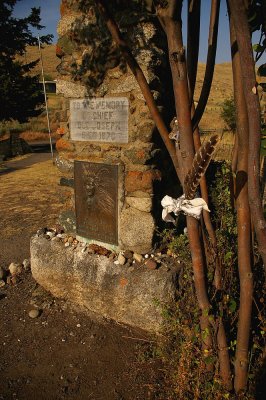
{"x":50,"y":16}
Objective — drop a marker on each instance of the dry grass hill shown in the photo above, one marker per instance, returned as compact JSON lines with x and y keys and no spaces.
{"x":221,"y":88}
{"x":50,"y":61}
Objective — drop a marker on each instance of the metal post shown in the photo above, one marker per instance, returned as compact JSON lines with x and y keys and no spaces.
{"x":45,"y":98}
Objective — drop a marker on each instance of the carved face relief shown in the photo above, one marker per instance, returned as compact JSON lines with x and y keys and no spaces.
{"x":97,"y":189}
{"x":96,"y":200}
{"x":90,"y":189}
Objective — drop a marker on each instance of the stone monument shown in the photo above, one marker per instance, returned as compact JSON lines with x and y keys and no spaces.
{"x":114,"y":166}
{"x":110,"y":146}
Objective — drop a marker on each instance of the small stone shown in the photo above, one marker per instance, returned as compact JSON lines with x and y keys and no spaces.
{"x":83,"y":250}
{"x":2,"y":273}
{"x":116,"y":262}
{"x":2,"y":283}
{"x":128,"y":254}
{"x":15,"y":268}
{"x":146,"y":256}
{"x":70,"y":239}
{"x":14,"y":280}
{"x":34,"y":313}
{"x":138,"y":257}
{"x":112,"y":256}
{"x":50,"y":234}
{"x":26,"y":264}
{"x":121,"y":259}
{"x":65,"y":239}
{"x":59,"y":229}
{"x":129,"y":263}
{"x":67,"y":244}
{"x":41,"y":231}
{"x":151,"y":264}
{"x":8,"y":280}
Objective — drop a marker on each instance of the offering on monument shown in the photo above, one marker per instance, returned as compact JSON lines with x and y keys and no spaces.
{"x":96,"y":194}
{"x":99,"y":119}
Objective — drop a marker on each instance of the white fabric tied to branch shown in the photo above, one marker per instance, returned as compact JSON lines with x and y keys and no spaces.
{"x":192,"y":208}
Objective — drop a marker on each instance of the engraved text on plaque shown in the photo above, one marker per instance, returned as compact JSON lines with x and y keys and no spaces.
{"x":96,"y":192}
{"x":99,"y":120}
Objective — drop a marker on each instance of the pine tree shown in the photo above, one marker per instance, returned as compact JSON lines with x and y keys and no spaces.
{"x":20,"y":93}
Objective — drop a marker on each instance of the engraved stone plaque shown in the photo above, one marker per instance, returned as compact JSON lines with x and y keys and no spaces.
{"x":99,"y":120}
{"x":96,"y":201}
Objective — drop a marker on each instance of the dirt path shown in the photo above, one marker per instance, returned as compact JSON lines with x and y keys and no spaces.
{"x":28,"y":201}
{"x":63,"y":354}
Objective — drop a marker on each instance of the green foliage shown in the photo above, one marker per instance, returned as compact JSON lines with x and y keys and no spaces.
{"x":263,"y":142}
{"x":180,"y":349}
{"x":256,"y":19}
{"x":262,"y":70}
{"x":177,"y":244}
{"x":20,"y":95}
{"x":228,"y":113}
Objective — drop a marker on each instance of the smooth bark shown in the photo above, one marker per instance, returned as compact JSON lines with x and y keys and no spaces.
{"x":240,"y":22}
{"x":243,"y":223}
{"x":212,"y":45}
{"x":171,"y":20}
{"x":193,"y":36}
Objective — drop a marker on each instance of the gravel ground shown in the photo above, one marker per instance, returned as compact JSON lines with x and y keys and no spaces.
{"x":64,"y":353}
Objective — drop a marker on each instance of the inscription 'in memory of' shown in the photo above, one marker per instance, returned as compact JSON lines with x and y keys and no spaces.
{"x":99,"y":120}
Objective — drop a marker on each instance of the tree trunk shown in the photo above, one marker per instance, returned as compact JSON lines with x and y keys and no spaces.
{"x":171,"y":20}
{"x":240,"y":22}
{"x":243,"y":224}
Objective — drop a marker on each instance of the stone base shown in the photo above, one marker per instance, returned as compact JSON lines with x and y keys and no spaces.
{"x":128,"y":295}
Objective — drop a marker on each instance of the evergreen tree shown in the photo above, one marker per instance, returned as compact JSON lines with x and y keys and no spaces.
{"x":20,"y":94}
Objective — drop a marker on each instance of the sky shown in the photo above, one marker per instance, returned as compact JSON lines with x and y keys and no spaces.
{"x":50,"y":16}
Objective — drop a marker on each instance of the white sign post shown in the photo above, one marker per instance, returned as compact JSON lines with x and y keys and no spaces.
{"x":99,"y":119}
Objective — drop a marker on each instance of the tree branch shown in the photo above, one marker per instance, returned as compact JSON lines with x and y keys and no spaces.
{"x":193,"y":36}
{"x":240,"y":22}
{"x":136,"y":70}
{"x":212,"y":41}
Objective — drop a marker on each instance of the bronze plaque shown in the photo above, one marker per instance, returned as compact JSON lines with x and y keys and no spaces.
{"x":96,"y":200}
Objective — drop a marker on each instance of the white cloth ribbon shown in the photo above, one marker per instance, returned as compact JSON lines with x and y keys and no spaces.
{"x":192,"y":208}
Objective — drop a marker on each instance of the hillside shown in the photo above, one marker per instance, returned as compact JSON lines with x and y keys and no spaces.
{"x":50,"y":61}
{"x":221,"y":88}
